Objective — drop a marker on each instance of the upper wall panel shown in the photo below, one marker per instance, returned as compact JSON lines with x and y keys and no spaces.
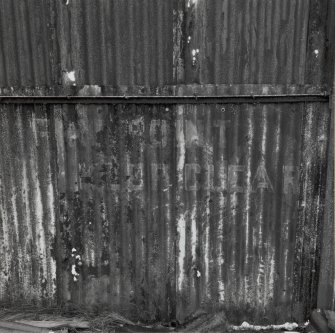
{"x":49,"y":43}
{"x":254,"y":41}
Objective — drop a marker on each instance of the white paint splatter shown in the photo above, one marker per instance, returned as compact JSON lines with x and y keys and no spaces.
{"x":198,"y":274}
{"x":246,"y":326}
{"x":194,"y":232}
{"x":71,"y":76}
{"x":74,"y":272}
{"x":181,"y":226}
{"x":181,"y":223}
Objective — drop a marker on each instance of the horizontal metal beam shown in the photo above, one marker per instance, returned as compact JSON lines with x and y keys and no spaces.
{"x":194,"y":99}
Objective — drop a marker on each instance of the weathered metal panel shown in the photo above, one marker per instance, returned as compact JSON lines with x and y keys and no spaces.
{"x":116,"y":171}
{"x":162,"y":210}
{"x":117,"y":42}
{"x":157,"y":42}
{"x":326,"y":290}
{"x":248,"y":41}
{"x":27,"y":207}
{"x":27,"y":50}
{"x":238,"y":176}
{"x":102,"y":42}
{"x":311,"y":205}
{"x":224,"y":178}
{"x":156,"y":211}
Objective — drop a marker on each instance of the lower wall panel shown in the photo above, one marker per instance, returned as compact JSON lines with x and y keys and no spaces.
{"x":158,"y":211}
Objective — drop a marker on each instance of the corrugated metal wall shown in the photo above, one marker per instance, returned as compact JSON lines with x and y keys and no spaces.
{"x":163,"y":207}
{"x":238,"y":185}
{"x":104,"y":42}
{"x":157,"y":211}
{"x":246,"y":41}
{"x":157,"y":42}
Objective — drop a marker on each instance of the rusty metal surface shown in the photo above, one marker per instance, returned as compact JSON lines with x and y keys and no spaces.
{"x":116,"y":187}
{"x":326,"y":290}
{"x":27,"y":50}
{"x":164,"y":210}
{"x":27,"y":207}
{"x":161,"y":210}
{"x":254,"y":41}
{"x":157,"y":210}
{"x":157,"y":42}
{"x":238,"y":220}
{"x":103,"y":42}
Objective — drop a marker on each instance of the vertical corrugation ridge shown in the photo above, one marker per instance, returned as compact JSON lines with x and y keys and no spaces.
{"x":261,"y":41}
{"x":3,"y":68}
{"x":131,"y":14}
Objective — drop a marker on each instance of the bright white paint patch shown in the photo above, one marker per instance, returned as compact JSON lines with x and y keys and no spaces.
{"x":198,"y":274}
{"x":194,"y":232}
{"x":221,"y":290}
{"x":71,"y":76}
{"x":52,"y":232}
{"x":206,"y":259}
{"x":246,"y":326}
{"x":181,"y":223}
{"x":39,"y":211}
{"x":316,"y":52}
{"x":195,"y":53}
{"x":247,"y":209}
{"x":74,"y":272}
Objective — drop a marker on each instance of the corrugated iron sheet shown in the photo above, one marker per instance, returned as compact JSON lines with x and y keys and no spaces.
{"x":157,"y":42}
{"x":117,"y":42}
{"x":238,"y":185}
{"x":103,"y":42}
{"x":27,"y":52}
{"x":27,"y":207}
{"x":157,"y":211}
{"x":116,"y":184}
{"x":160,"y":211}
{"x":252,"y":41}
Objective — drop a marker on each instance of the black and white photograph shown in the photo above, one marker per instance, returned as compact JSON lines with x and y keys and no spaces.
{"x":167,"y":166}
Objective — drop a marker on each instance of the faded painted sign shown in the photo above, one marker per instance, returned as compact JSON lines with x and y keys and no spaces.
{"x":161,"y":211}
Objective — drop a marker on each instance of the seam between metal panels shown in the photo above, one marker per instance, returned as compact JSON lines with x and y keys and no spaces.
{"x":237,"y":99}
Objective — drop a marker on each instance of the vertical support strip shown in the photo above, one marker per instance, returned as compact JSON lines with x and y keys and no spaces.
{"x":326,"y":288}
